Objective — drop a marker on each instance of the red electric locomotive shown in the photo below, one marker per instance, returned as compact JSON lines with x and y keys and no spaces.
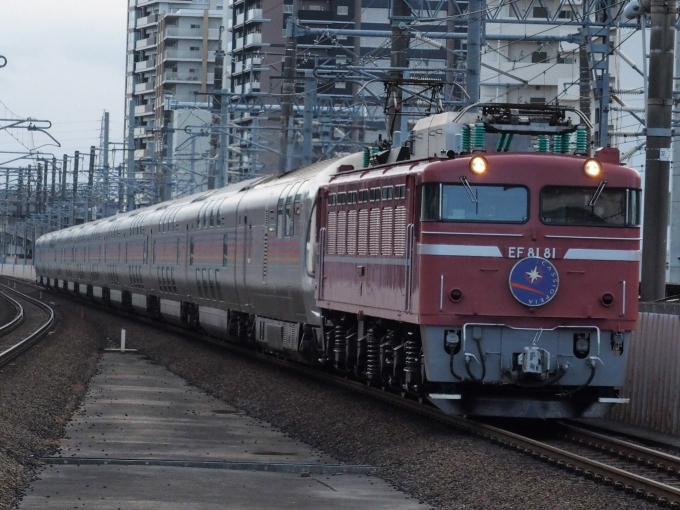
{"x":492,"y":283}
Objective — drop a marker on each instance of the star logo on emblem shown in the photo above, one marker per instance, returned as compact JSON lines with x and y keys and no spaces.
{"x":534,"y":275}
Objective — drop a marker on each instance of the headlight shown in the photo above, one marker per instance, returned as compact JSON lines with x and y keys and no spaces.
{"x":478,"y":165}
{"x":592,"y":168}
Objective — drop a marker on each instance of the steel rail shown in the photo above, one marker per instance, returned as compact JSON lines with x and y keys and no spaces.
{"x":591,"y":469}
{"x":623,"y":449}
{"x":18,"y":318}
{"x":21,"y":346}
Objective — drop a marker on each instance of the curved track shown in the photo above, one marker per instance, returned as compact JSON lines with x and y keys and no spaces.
{"x":640,"y":471}
{"x":36,"y":324}
{"x":18,"y":316}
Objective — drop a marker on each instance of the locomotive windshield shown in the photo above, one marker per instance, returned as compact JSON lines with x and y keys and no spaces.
{"x":615,"y":207}
{"x":470,"y":203}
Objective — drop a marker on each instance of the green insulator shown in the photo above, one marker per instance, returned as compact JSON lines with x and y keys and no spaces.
{"x":581,"y":140}
{"x":465,"y":144}
{"x":557,"y":144}
{"x":367,"y":157}
{"x":543,"y":143}
{"x":501,"y":142}
{"x":508,"y":141}
{"x":566,"y":143}
{"x":480,"y":136}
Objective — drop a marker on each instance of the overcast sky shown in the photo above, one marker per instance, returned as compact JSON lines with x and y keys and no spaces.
{"x":66,"y":64}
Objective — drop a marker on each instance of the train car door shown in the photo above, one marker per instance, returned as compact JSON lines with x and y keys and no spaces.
{"x":230,"y":257}
{"x":242,"y":254}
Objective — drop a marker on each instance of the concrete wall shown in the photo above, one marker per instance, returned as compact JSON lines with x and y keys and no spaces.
{"x":18,"y":270}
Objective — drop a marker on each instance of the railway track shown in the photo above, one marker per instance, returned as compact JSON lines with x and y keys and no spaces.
{"x":14,"y":342}
{"x":18,"y":316}
{"x":637,"y":470}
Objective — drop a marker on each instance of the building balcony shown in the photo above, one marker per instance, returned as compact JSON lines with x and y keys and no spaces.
{"x":144,"y":65}
{"x":146,"y":21}
{"x":144,"y":109}
{"x":252,"y":63}
{"x":552,"y":72}
{"x":251,"y":86}
{"x":140,"y":132}
{"x":143,"y":88}
{"x":240,"y":19}
{"x":174,"y":77}
{"x":143,"y":44}
{"x":239,"y":43}
{"x":143,"y":153}
{"x":232,"y":3}
{"x":187,"y":56}
{"x":254,"y":15}
{"x":253,"y":39}
{"x":183,"y":33}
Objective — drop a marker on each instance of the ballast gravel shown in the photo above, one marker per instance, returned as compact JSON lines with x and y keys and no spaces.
{"x":442,"y":467}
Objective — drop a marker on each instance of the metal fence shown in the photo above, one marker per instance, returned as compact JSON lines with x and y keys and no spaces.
{"x":653,"y":372}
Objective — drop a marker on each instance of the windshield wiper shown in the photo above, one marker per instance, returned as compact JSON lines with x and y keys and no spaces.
{"x":471,"y":193}
{"x":597,"y":193}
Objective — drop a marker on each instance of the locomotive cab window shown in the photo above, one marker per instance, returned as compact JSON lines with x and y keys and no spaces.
{"x":590,"y":206}
{"x":471,"y":203}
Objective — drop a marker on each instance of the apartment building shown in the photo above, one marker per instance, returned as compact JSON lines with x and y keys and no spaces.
{"x":170,"y":67}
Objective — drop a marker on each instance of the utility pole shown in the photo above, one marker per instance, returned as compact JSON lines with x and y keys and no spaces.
{"x":400,"y":42}
{"x":131,"y":156}
{"x":90,"y":184}
{"x":106,"y":164}
{"x":167,"y":165}
{"x":215,"y":179}
{"x":475,"y":36}
{"x":307,"y":130}
{"x":288,"y":95}
{"x":76,"y":163}
{"x":38,"y":191}
{"x":53,"y":198}
{"x":64,"y":166}
{"x":657,"y":164}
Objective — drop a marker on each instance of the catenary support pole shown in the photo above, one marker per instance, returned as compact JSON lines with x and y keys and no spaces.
{"x":130,"y":156}
{"x":657,"y":164}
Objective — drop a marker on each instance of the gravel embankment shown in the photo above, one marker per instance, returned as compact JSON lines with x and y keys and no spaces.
{"x":441,"y":466}
{"x":39,"y":391}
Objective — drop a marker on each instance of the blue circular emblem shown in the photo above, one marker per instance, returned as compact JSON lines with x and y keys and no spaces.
{"x":534,"y":281}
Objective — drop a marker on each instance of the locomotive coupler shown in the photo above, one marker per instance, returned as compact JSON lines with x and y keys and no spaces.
{"x":534,"y":360}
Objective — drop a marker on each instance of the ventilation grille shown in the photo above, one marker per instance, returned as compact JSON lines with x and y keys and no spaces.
{"x":341,"y":247}
{"x":400,"y":231}
{"x":363,"y":232}
{"x":352,"y":233}
{"x":374,"y":246}
{"x":331,"y":232}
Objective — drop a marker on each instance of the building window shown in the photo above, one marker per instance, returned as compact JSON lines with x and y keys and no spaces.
{"x":194,"y":48}
{"x":287,"y":9}
{"x":343,"y":10}
{"x":539,"y":57}
{"x":540,"y":12}
{"x":195,"y":26}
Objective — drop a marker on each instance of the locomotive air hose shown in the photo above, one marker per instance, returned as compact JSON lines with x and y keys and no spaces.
{"x":481,"y":358}
{"x":576,"y":390}
{"x":453,"y":372}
